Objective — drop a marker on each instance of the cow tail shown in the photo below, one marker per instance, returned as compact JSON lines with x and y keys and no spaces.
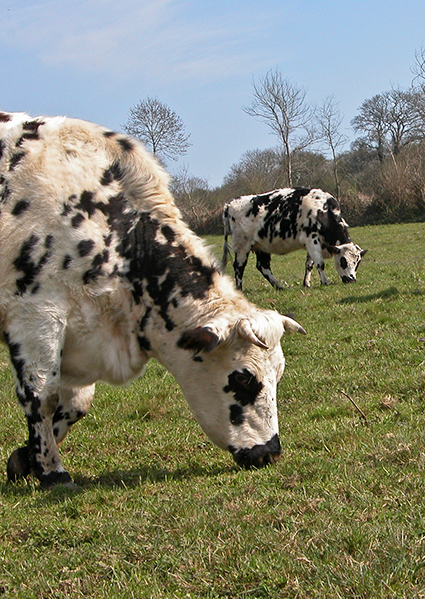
{"x":227,"y":231}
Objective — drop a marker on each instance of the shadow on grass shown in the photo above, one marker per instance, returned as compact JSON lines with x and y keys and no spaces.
{"x":136,"y":477}
{"x":114,"y":479}
{"x":391,"y":292}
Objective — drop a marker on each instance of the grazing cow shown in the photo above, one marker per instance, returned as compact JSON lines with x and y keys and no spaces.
{"x":99,"y":274}
{"x":285,"y":220}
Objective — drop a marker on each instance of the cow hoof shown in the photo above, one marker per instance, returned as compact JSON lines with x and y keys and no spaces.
{"x":48,"y":481}
{"x":18,"y":465}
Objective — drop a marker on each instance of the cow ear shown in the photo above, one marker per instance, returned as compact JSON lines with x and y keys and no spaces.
{"x":201,"y":339}
{"x":332,"y":249}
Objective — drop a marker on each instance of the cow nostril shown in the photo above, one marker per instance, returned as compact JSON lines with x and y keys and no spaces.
{"x":348,"y":279}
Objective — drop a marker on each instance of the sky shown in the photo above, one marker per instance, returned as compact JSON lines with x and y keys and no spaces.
{"x":94,"y":59}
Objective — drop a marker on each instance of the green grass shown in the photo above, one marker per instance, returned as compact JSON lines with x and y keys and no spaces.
{"x":162,"y":513}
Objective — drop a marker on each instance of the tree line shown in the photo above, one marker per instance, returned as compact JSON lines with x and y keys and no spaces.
{"x":379,"y":179}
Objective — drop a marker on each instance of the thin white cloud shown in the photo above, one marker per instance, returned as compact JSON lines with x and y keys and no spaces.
{"x":165,"y":39}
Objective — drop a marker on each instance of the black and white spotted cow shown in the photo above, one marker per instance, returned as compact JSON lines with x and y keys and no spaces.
{"x":285,"y":220}
{"x":99,"y":274}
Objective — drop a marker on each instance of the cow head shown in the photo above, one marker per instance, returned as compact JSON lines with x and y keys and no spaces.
{"x":347,"y":260}
{"x":228,"y":370}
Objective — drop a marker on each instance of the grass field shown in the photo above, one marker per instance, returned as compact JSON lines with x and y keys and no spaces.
{"x":161,"y":513}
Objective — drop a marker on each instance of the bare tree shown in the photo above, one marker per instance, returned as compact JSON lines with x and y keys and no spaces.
{"x":372,"y":121}
{"x":192,"y":195}
{"x":391,"y":121}
{"x":329,"y":121}
{"x":256,"y":171}
{"x":281,"y":105}
{"x":419,"y":67}
{"x":159,"y":127}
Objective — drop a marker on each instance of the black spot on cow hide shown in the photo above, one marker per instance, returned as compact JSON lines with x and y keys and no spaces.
{"x":5,"y":193}
{"x":31,"y":131}
{"x":85,"y":247}
{"x":66,"y":262}
{"x":15,"y":357}
{"x":86,"y":203}
{"x":126,"y":143}
{"x":244,"y":386}
{"x":77,"y":220}
{"x":113,"y":173}
{"x":95,"y":270}
{"x":25,"y":263}
{"x":236,"y":414}
{"x":20,"y":207}
{"x":15,"y":159}
{"x":162,"y":269}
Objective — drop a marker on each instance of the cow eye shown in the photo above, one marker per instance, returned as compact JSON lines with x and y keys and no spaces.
{"x":242,"y":379}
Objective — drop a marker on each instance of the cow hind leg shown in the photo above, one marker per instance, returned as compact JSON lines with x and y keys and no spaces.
{"x":263,"y":265}
{"x":239,"y":268}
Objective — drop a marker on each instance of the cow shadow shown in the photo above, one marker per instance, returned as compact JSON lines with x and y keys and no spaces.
{"x":130,"y":479}
{"x":137,"y":476}
{"x":390,"y":293}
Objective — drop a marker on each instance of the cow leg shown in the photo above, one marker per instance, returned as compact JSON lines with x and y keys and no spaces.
{"x":316,"y":255}
{"x":263,"y":265}
{"x":35,"y":344}
{"x":309,"y":264}
{"x":239,"y":268}
{"x":73,"y":405}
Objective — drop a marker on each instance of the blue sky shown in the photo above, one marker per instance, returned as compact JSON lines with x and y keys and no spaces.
{"x":94,"y":59}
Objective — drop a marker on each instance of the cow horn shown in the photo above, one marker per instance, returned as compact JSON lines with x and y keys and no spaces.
{"x":245,"y":331}
{"x":291,"y":326}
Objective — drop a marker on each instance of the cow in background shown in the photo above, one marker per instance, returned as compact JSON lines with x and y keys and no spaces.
{"x":286,"y":220}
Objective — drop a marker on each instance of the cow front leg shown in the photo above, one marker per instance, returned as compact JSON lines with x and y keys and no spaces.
{"x":40,"y":456}
{"x":309,"y":264}
{"x":35,"y":359}
{"x":264,"y":266}
{"x":321,"y":270}
{"x":316,"y":255}
{"x":45,"y":460}
{"x":73,"y":405}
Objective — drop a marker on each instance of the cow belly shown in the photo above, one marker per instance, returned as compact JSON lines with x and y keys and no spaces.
{"x":278,"y":245}
{"x":101,"y":353}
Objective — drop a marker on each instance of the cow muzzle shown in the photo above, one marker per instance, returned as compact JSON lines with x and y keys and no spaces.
{"x":348,"y":279}
{"x":259,"y":455}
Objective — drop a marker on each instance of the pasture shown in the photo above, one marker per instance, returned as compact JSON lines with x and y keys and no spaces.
{"x":160,"y":512}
